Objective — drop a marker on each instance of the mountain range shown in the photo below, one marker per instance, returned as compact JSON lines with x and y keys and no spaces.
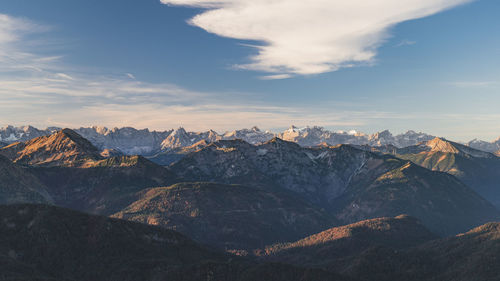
{"x":235,"y":210}
{"x":144,"y":142}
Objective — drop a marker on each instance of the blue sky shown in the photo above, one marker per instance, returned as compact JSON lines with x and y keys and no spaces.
{"x":422,"y":66}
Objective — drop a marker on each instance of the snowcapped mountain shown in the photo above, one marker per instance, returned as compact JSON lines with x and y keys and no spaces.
{"x":131,"y":141}
{"x":181,"y":138}
{"x":493,"y":146}
{"x":12,"y":134}
{"x":312,"y":136}
{"x":253,"y":135}
{"x":126,"y":140}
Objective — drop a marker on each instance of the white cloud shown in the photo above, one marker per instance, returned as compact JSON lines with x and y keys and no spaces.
{"x":309,"y":37}
{"x":405,"y":42}
{"x":276,"y":77}
{"x":64,"y":76}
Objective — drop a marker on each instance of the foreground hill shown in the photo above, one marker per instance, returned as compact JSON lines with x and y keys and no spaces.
{"x":477,"y":169}
{"x":396,"y":249}
{"x":48,"y":243}
{"x":335,"y":245}
{"x":228,"y":216}
{"x":19,"y":185}
{"x":350,"y":183}
{"x":63,"y":148}
{"x":472,"y":256}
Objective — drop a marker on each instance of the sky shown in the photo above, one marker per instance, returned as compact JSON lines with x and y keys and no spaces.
{"x":423,"y":65}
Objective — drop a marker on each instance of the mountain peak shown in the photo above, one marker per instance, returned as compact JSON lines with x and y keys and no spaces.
{"x":446,"y":146}
{"x":440,"y":144}
{"x":65,"y":148}
{"x":280,"y":142}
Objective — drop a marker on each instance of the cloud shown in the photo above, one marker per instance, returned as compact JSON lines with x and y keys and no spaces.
{"x":13,"y":42}
{"x":64,"y":76}
{"x":41,"y":90}
{"x":276,"y":77}
{"x":472,"y":84}
{"x":405,"y":42}
{"x":309,"y":37}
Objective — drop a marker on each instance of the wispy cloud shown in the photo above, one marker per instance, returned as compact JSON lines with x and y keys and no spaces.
{"x":309,"y":37}
{"x":405,"y":42}
{"x":41,"y":90}
{"x":472,"y":84}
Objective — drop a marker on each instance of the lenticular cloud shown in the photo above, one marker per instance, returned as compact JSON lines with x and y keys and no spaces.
{"x":309,"y":37}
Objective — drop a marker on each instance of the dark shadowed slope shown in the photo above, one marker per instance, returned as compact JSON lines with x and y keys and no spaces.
{"x":106,"y":187}
{"x":228,"y":216}
{"x":63,"y":148}
{"x":41,"y":242}
{"x":444,"y":204}
{"x":19,"y":185}
{"x":472,"y":256}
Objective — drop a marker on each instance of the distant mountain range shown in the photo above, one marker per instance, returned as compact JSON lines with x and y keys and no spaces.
{"x":131,"y":141}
